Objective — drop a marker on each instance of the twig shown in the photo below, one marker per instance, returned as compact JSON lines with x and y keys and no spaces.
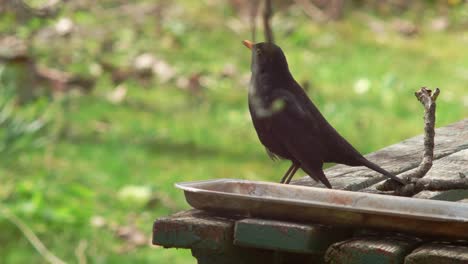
{"x":414,"y":179}
{"x":50,"y":8}
{"x":254,"y":4}
{"x":312,"y":11}
{"x":428,"y":100}
{"x":267,"y":13}
{"x":60,"y":81}
{"x":335,"y":9}
{"x":422,"y":184}
{"x":32,"y":238}
{"x":80,"y":252}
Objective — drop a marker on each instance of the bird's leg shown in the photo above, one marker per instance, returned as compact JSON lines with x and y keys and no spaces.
{"x":296,"y":167}
{"x":287,"y":173}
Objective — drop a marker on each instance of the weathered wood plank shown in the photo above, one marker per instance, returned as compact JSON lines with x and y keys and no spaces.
{"x":452,"y":195}
{"x":448,"y":167}
{"x":382,"y":250}
{"x":287,"y":236}
{"x":396,"y":158}
{"x":240,"y":255}
{"x":438,"y":253}
{"x":194,"y":229}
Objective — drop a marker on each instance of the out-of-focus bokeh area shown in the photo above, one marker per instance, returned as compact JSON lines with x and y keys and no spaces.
{"x":104,"y":105}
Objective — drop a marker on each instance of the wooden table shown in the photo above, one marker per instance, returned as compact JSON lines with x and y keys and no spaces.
{"x":225,"y":239}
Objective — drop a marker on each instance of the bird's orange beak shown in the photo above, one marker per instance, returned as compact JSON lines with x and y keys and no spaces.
{"x":249,"y":44}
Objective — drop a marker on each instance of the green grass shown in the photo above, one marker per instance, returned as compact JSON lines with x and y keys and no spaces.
{"x":161,"y":134}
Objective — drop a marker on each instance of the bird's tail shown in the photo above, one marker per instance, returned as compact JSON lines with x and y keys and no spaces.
{"x":376,"y":168}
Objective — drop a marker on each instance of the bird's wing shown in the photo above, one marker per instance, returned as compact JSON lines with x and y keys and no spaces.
{"x":299,"y":131}
{"x":300,"y":123}
{"x":314,"y":129}
{"x":297,"y":128}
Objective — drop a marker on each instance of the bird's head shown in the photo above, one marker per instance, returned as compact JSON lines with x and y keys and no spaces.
{"x":266,"y":57}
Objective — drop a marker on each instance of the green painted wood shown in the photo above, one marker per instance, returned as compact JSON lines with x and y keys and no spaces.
{"x":233,"y":255}
{"x":382,"y":250}
{"x":439,"y":253}
{"x":194,"y":229}
{"x":298,"y":258}
{"x":286,"y":236}
{"x":240,"y":255}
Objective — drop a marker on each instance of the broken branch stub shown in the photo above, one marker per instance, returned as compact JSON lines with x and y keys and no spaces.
{"x":267,"y":13}
{"x":428,"y":99}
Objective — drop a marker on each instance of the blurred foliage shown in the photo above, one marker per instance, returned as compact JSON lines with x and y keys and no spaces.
{"x":21,"y":127}
{"x":89,"y":167}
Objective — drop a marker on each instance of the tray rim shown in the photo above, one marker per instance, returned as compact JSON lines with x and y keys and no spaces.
{"x":189,"y":187}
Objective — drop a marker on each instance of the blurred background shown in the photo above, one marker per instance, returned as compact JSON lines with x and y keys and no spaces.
{"x":104,"y":105}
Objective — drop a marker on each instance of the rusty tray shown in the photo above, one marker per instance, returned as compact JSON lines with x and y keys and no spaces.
{"x":338,"y":207}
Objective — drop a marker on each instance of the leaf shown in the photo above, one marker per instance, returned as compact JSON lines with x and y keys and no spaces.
{"x":117,"y":95}
{"x":133,"y":194}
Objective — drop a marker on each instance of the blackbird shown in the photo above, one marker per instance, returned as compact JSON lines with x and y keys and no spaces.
{"x":289,"y":125}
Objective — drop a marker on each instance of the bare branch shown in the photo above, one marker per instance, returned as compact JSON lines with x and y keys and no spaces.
{"x":32,"y":238}
{"x":80,"y":252}
{"x":429,"y":102}
{"x":50,"y":8}
{"x":335,"y":9}
{"x":312,"y":11}
{"x":414,"y":180}
{"x":267,"y":13}
{"x":254,"y":4}
{"x":418,"y":185}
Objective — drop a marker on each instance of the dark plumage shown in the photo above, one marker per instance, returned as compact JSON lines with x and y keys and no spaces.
{"x":287,"y":122}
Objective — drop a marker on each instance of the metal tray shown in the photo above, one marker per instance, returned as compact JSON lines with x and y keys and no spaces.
{"x":338,"y":207}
